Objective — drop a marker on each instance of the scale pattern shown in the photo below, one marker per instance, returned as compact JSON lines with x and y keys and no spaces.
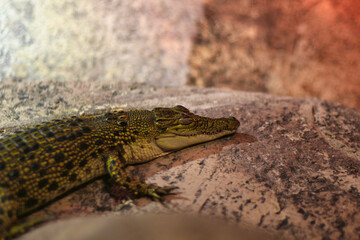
{"x":40,"y":163}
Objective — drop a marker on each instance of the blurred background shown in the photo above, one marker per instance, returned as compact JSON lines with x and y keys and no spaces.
{"x":301,"y":48}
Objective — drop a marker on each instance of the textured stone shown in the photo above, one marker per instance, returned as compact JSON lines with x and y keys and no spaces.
{"x":292,"y":168}
{"x":132,"y":40}
{"x":297,"y":48}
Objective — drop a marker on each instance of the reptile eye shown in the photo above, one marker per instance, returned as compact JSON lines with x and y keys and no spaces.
{"x":185,"y":120}
{"x":181,"y":109}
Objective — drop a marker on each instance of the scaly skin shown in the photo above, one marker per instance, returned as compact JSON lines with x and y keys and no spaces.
{"x":47,"y":160}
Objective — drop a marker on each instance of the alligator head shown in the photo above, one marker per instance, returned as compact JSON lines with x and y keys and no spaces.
{"x":179,"y":128}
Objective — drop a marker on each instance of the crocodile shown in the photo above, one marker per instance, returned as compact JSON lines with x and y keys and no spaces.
{"x":42,"y":162}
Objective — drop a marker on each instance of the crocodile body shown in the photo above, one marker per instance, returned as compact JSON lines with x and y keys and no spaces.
{"x":42,"y":162}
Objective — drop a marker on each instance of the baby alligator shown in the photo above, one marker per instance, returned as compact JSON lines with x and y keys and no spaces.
{"x":42,"y":162}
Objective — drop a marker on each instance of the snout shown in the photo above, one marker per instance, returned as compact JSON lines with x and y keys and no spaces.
{"x":233,"y":123}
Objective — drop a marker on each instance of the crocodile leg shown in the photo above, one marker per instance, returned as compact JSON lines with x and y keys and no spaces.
{"x":116,"y":170}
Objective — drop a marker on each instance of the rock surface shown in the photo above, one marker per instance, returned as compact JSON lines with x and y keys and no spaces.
{"x":297,"y":48}
{"x":292,"y":168}
{"x":127,"y":40}
{"x":274,"y":47}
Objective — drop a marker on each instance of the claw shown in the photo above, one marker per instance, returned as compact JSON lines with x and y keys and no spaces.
{"x":155,"y":195}
{"x":159,"y":192}
{"x":125,"y":204}
{"x":166,"y":190}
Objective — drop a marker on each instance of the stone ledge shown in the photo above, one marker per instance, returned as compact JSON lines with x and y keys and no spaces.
{"x":292,"y":168}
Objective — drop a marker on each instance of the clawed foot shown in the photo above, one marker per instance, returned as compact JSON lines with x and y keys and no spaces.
{"x":157,"y":192}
